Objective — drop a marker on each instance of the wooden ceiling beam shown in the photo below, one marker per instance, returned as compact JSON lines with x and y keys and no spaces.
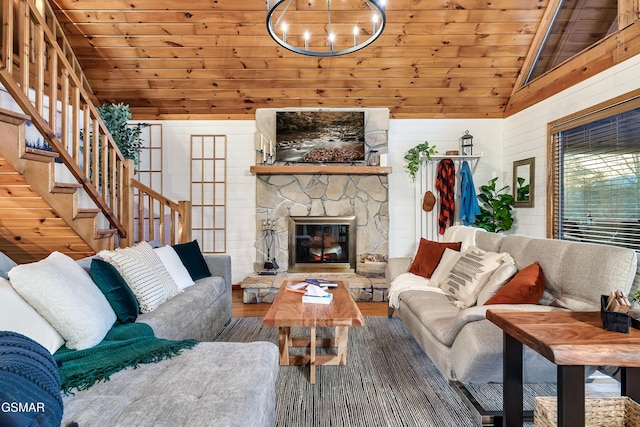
{"x":298,"y":62}
{"x":216,"y":93}
{"x":238,"y":28}
{"x":342,"y":101}
{"x":388,"y":39}
{"x":239,"y":84}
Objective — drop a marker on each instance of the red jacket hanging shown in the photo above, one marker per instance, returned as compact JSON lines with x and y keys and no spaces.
{"x":445,"y":184}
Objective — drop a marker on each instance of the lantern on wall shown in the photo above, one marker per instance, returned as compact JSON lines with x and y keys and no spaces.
{"x":466,"y":145}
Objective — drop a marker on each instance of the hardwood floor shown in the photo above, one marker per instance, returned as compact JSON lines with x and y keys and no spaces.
{"x":240,"y":309}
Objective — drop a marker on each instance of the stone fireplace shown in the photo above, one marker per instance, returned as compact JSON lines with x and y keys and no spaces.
{"x":321,"y":243}
{"x":361,"y":197}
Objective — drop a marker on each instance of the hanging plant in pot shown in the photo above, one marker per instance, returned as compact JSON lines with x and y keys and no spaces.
{"x":495,"y":208}
{"x":414,"y":156}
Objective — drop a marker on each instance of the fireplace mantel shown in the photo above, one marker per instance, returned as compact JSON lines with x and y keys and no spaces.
{"x":319,"y":169}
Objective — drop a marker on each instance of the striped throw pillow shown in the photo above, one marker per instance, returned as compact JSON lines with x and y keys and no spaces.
{"x":145,"y":274}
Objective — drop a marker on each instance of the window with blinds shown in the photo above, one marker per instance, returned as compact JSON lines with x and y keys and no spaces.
{"x":596,"y":177}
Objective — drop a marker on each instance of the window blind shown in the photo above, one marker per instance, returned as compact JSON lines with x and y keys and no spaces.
{"x":596,"y":181}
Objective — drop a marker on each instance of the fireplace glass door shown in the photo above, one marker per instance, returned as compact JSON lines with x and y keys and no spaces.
{"x":322,"y":243}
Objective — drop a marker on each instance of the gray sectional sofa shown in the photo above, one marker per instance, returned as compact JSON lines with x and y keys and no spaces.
{"x":215,"y":383}
{"x":468,"y":348}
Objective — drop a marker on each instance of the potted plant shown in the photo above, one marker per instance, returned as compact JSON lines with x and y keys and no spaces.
{"x":495,"y":208}
{"x":116,"y":117}
{"x":414,"y":155}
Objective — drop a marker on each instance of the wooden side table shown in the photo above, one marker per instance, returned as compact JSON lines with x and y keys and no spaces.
{"x":571,"y":340}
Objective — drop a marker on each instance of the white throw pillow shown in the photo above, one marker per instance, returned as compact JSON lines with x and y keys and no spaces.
{"x":64,"y":294}
{"x":448,"y":260}
{"x":470,"y":273}
{"x":174,"y":266}
{"x":497,"y":280}
{"x":17,"y":315}
{"x":145,"y":274}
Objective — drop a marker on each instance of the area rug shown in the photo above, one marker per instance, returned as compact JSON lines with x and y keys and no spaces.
{"x":388,"y":381}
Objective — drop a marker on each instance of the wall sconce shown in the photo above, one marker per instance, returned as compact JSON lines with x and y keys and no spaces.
{"x":467,"y":142}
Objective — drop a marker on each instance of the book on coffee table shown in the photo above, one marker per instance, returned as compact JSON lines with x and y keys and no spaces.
{"x":321,"y":282}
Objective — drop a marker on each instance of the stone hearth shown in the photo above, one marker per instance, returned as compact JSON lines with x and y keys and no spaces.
{"x":263,"y":289}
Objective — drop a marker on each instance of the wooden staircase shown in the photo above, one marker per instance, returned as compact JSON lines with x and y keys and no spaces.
{"x":37,"y":214}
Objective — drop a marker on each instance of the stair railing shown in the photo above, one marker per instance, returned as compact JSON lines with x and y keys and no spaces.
{"x":40,"y":71}
{"x":158,"y":218}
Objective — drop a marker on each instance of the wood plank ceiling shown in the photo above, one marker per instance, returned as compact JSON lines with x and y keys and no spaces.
{"x":214,"y":59}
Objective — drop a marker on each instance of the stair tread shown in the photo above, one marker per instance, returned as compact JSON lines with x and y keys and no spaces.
{"x":87,"y":212}
{"x":68,"y":184}
{"x":39,"y":155}
{"x":105,"y":232}
{"x":66,"y":187}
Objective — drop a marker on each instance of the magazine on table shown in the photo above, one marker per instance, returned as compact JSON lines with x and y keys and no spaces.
{"x":321,"y":282}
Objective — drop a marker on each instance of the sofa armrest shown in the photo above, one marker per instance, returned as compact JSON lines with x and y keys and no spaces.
{"x":397,"y":266}
{"x":219,"y":265}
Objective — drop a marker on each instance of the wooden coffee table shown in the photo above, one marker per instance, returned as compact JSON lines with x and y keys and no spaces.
{"x":288,"y":310}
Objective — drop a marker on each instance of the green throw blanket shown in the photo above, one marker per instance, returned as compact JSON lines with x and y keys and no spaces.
{"x":124,"y":345}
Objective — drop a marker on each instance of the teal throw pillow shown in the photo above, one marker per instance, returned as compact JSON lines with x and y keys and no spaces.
{"x":192,"y":258}
{"x":116,"y":290}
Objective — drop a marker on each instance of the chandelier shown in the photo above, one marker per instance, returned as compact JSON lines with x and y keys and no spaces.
{"x":310,"y":28}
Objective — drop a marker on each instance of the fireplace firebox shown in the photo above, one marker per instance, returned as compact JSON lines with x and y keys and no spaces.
{"x":322,"y":243}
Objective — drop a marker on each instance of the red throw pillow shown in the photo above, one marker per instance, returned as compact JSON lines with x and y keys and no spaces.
{"x":428,"y":256}
{"x":525,"y":287}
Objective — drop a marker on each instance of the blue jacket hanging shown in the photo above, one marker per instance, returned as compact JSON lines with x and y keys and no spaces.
{"x":469,"y":207}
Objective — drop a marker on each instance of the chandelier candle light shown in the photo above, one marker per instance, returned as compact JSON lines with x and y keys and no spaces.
{"x":324,"y":31}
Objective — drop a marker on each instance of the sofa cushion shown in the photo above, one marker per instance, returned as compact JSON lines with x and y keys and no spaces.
{"x":64,"y":294}
{"x":497,"y":280}
{"x":434,"y":310}
{"x":428,"y":256}
{"x":186,"y":315}
{"x":573,"y":271}
{"x":192,"y":259}
{"x":174,"y":266}
{"x":213,"y":384}
{"x":526,"y":287}
{"x":145,"y":274}
{"x":18,"y":316}
{"x":470,"y":273}
{"x":115,"y":289}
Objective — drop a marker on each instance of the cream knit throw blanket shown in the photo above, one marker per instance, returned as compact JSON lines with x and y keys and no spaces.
{"x":409,"y":282}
